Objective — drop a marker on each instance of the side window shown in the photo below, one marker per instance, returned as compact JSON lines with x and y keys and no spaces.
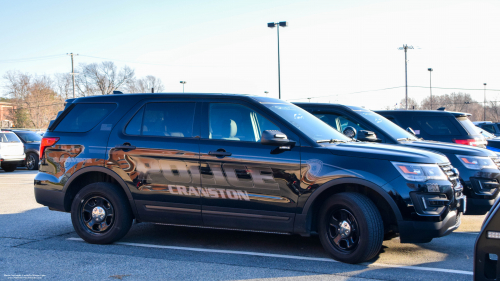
{"x":489,"y":128}
{"x":437,"y":126}
{"x":134,"y":126}
{"x":236,"y":122}
{"x":84,"y":116}
{"x":164,"y":119}
{"x":9,"y":137}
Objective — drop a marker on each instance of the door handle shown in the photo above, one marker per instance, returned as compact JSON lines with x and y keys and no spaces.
{"x":219,"y":153}
{"x":125,"y":146}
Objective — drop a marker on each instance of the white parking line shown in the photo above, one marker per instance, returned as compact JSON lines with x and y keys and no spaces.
{"x":284,"y":256}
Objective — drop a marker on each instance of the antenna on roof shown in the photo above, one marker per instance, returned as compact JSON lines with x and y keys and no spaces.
{"x":117,"y":93}
{"x":442,"y":108}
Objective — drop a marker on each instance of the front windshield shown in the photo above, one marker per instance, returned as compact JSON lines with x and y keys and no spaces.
{"x":30,"y":137}
{"x":305,"y":122}
{"x":385,"y":125}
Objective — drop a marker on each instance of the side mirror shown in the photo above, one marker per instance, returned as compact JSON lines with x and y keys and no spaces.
{"x":410,"y":130}
{"x":368,"y":136}
{"x":276,"y":138}
{"x":350,"y":132}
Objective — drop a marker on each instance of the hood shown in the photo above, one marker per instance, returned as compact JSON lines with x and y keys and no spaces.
{"x":387,"y":152}
{"x":450,"y":148}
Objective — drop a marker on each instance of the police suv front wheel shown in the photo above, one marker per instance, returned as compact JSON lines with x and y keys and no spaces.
{"x":350,"y":227}
{"x":100,"y":213}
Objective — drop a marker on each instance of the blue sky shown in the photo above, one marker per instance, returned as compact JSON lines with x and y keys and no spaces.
{"x":331,"y":48}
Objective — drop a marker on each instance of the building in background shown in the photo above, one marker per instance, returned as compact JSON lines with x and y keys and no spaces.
{"x":5,"y":113}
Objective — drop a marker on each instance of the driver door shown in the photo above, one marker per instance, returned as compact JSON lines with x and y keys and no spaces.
{"x":245,"y":184}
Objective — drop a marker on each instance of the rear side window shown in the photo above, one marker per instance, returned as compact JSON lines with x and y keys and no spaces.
{"x":84,"y":116}
{"x":9,"y":137}
{"x":437,"y":126}
{"x":489,"y":128}
{"x":467,"y":124}
{"x":163,"y":119}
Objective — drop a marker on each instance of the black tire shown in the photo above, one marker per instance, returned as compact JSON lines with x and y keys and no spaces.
{"x":101,"y":213}
{"x":363,"y":233}
{"x":9,"y":167}
{"x":32,"y":161}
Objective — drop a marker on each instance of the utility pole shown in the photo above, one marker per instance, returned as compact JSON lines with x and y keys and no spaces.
{"x":406,"y":47}
{"x":73,"y":71}
{"x":183,"y":83}
{"x":484,"y":104}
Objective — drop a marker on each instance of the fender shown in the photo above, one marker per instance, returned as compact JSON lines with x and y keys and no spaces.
{"x":110,"y":173}
{"x":303,"y":220}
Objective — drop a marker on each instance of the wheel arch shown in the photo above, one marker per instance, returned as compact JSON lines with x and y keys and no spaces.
{"x":305,"y":222}
{"x":86,"y":176}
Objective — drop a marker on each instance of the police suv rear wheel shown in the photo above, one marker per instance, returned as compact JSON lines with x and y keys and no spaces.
{"x":350,"y":227}
{"x":101,"y":214}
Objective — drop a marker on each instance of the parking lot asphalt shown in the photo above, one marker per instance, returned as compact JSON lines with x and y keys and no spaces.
{"x":38,"y":243}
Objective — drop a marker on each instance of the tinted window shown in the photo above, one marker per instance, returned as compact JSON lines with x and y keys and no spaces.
{"x":9,"y":137}
{"x":84,"y":116}
{"x":236,"y":122}
{"x":29,"y":137}
{"x":489,"y":128}
{"x":437,"y":126}
{"x":164,"y":119}
{"x":134,"y":126}
{"x":305,"y":121}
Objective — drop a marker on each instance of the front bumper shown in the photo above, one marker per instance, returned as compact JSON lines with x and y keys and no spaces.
{"x":425,"y":231}
{"x":481,"y":193}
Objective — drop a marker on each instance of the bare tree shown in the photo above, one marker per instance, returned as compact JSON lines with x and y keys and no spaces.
{"x":102,"y":78}
{"x":64,"y":85}
{"x":34,"y":99}
{"x":145,"y":85}
{"x":412,"y":104}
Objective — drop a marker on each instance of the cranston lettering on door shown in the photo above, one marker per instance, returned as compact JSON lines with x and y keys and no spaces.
{"x":218,"y":180}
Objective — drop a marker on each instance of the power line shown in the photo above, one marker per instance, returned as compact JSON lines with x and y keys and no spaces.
{"x":30,"y":59}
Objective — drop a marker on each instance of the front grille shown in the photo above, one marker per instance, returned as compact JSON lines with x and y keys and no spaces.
{"x":453,"y":177}
{"x":451,"y":173}
{"x":496,"y":160}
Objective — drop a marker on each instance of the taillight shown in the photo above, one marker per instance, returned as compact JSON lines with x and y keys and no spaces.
{"x":46,"y":142}
{"x":466,"y":141}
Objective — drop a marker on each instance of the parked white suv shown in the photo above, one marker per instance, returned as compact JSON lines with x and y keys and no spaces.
{"x":11,"y":151}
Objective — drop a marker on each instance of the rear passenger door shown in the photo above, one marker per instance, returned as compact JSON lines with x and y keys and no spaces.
{"x":246,"y":184}
{"x":156,"y":149}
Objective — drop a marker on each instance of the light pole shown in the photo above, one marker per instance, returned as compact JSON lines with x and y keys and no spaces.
{"x":183,"y":82}
{"x":430,"y":83}
{"x":266,"y":92}
{"x":406,"y":47}
{"x":484,"y":103}
{"x":272,"y":25}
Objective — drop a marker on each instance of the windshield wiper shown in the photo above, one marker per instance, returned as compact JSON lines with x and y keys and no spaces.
{"x":331,"y":141}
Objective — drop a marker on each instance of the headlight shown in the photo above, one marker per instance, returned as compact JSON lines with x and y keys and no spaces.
{"x":477,"y":163}
{"x":420,"y":172}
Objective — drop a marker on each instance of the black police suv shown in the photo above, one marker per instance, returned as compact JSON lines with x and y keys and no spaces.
{"x":478,"y":167}
{"x":239,"y":162}
{"x":31,"y":141}
{"x":444,"y":126}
